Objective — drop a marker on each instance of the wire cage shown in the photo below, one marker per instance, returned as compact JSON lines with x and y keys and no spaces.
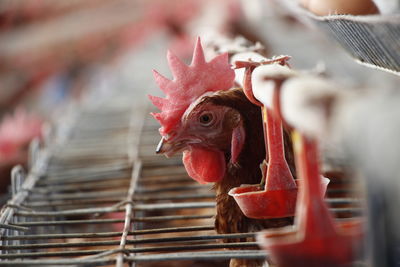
{"x":96,"y":194}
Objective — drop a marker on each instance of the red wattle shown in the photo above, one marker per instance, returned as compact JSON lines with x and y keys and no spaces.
{"x":204,"y":165}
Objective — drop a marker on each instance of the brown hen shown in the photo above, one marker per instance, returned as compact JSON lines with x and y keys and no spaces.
{"x":229,"y":217}
{"x":220,"y":133}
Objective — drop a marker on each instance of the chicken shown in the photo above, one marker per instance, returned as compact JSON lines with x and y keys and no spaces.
{"x":219,"y":132}
{"x":16,"y":132}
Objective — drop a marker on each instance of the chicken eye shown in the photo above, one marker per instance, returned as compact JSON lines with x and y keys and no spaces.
{"x":206,"y":119}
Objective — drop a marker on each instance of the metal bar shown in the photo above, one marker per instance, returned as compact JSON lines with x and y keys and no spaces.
{"x":209,"y":255}
{"x":172,"y":188}
{"x":341,"y":190}
{"x":100,"y":156}
{"x":88,"y":174}
{"x":171,"y":170}
{"x":131,"y":242}
{"x":165,"y":180}
{"x":69,"y":222}
{"x":172,"y":230}
{"x":174,"y":206}
{"x":340,"y":201}
{"x":89,"y":262}
{"x":191,"y":238}
{"x":77,"y":202}
{"x":14,"y":227}
{"x":151,"y":207}
{"x":111,"y":234}
{"x":69,"y":212}
{"x":53,"y":254}
{"x":175,"y":197}
{"x":150,"y":161}
{"x":88,"y":195}
{"x":121,"y":164}
{"x":116,"y":166}
{"x":106,"y":221}
{"x":129,"y":211}
{"x":61,"y":245}
{"x":354,"y":211}
{"x":212,"y":255}
{"x":83,"y":187}
{"x":134,"y":250}
{"x":60,"y":236}
{"x":237,"y":245}
{"x":57,"y":201}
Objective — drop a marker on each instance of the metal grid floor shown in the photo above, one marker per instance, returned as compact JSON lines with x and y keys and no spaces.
{"x":98,"y":195}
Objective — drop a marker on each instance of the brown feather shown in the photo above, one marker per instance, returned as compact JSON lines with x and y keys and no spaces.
{"x":229,"y":218}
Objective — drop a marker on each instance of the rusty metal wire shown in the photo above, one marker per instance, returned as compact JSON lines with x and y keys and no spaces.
{"x":97,"y":195}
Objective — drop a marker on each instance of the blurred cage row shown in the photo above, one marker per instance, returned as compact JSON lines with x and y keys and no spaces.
{"x":79,"y":178}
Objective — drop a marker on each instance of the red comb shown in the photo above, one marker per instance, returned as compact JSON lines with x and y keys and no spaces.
{"x":189,"y":83}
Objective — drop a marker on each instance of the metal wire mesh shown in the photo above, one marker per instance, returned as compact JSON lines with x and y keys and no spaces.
{"x":98,"y":195}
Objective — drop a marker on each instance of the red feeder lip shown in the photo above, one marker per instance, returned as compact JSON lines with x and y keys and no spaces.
{"x":289,"y":246}
{"x":316,"y":239}
{"x":266,"y":204}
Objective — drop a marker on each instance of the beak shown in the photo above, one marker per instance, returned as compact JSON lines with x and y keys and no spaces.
{"x":161,"y":147}
{"x":171,"y":147}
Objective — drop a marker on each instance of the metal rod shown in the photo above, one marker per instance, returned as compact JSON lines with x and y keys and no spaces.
{"x":129,"y":210}
{"x":69,"y":222}
{"x":87,"y":195}
{"x":131,"y":242}
{"x":111,"y":183}
{"x":74,"y":212}
{"x":134,"y":250}
{"x":166,"y":179}
{"x":14,"y":227}
{"x":107,"y":221}
{"x":175,"y":197}
{"x":174,"y":206}
{"x":52,"y":254}
{"x":61,"y":236}
{"x":237,"y":245}
{"x":77,"y":202}
{"x":61,"y":245}
{"x":110,"y":234}
{"x":89,"y":262}
{"x":171,"y":188}
{"x":212,"y":255}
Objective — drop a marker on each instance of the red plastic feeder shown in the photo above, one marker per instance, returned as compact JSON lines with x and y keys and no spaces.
{"x":315,"y":240}
{"x":260,"y":204}
{"x":278,"y":199}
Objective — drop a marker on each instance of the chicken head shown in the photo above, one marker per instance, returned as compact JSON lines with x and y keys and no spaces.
{"x":207,"y":133}
{"x":210,"y":136}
